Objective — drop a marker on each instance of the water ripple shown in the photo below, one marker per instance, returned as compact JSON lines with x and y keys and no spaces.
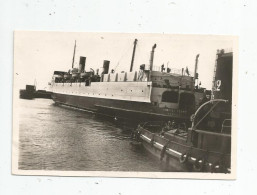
{"x":57,"y":138}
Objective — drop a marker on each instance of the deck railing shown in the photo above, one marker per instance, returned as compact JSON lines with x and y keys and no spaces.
{"x":172,"y":70}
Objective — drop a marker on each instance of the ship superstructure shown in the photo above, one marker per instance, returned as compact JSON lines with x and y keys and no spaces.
{"x":151,"y":93}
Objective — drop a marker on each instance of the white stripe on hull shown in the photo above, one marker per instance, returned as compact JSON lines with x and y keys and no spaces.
{"x":129,"y":91}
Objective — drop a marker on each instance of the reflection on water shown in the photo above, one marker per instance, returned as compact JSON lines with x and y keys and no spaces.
{"x":59,"y":138}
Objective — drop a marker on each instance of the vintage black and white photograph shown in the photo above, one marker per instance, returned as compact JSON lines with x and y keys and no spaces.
{"x":124,"y":105}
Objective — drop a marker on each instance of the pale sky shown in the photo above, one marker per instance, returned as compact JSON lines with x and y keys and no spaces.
{"x":38,"y":54}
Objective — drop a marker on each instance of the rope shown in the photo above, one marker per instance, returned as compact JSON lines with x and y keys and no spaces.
{"x":118,"y":63}
{"x":164,"y":150}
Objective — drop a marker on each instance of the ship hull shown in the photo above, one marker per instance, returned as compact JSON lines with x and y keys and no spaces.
{"x":27,"y":95}
{"x":118,"y":109}
{"x":170,"y":162}
{"x":170,"y":149}
{"x":43,"y":94}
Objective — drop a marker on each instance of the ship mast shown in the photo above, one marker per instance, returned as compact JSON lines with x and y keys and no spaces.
{"x":151,"y":61}
{"x":151,"y":58}
{"x":196,"y":67}
{"x":133,"y":55}
{"x":214,"y":75}
{"x":74,"y":55}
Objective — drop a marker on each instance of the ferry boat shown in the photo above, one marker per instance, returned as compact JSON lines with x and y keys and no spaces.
{"x":206,"y":145}
{"x":146,"y":94}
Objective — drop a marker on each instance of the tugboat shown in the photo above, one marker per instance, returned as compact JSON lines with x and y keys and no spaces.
{"x":151,"y":93}
{"x":28,"y":93}
{"x":206,"y":145}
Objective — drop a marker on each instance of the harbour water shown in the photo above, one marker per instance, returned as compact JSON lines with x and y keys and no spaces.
{"x":53,"y":137}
